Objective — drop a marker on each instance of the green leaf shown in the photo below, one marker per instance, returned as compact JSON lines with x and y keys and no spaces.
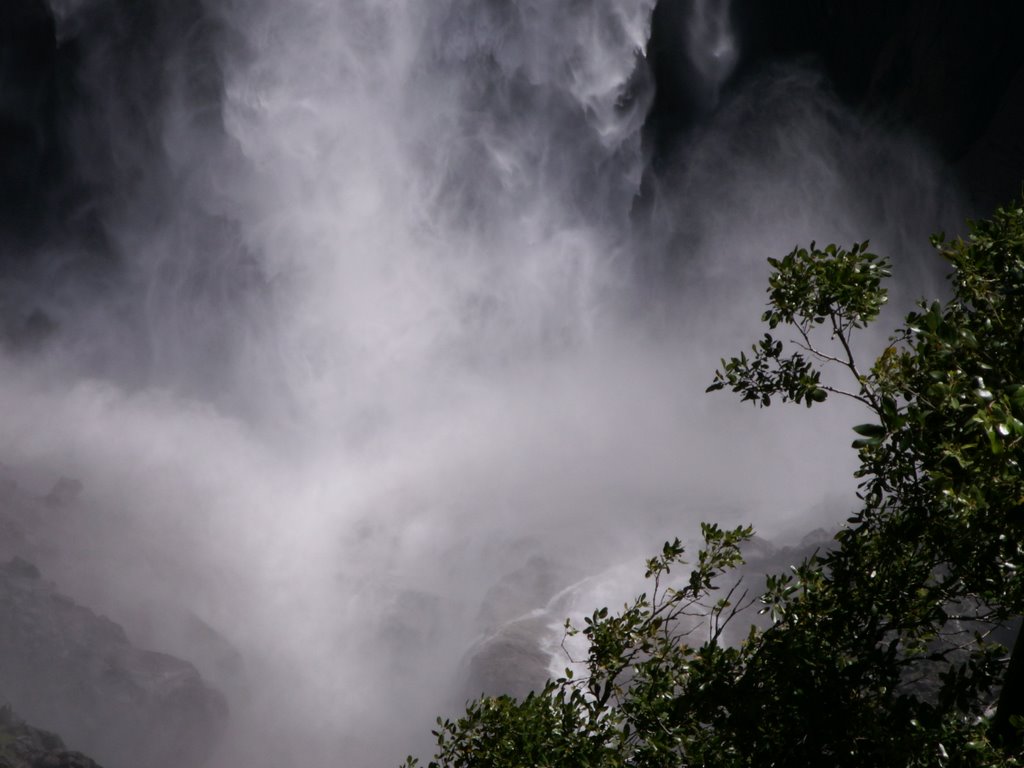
{"x":867,"y":442}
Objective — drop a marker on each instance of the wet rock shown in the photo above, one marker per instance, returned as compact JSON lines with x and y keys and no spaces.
{"x":514,"y":660}
{"x":65,"y":491}
{"x":950,"y":72}
{"x":19,"y":568}
{"x":520,"y":648}
{"x":67,"y":669}
{"x":520,"y":591}
{"x":22,"y":746}
{"x":176,"y":630}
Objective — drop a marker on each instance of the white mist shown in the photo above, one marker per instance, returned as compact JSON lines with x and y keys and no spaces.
{"x":396,"y":343}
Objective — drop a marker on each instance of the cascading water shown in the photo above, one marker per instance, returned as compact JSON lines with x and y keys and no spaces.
{"x":376,"y":337}
{"x":711,"y":44}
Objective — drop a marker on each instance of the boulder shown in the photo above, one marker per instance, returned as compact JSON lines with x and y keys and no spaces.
{"x":515,"y":659}
{"x":22,"y":746}
{"x":72,"y":671}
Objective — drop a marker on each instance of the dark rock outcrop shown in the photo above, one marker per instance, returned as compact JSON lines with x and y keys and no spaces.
{"x":63,"y":533}
{"x":22,"y":746}
{"x":941,"y":67}
{"x":520,"y":648}
{"x":944,"y":70}
{"x":514,"y":660}
{"x":82,"y":88}
{"x":520,"y":591}
{"x":70,"y":670}
{"x":29,"y":143}
{"x":948,"y":72}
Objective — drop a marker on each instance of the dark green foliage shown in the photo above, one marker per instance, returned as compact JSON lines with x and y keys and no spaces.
{"x":833,"y":288}
{"x":662,"y":649}
{"x":878,"y":653}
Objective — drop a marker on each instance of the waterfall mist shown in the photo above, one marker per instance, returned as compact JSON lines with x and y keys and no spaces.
{"x":385,"y":319}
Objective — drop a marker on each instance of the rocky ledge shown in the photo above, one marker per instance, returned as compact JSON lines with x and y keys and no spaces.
{"x":67,"y":669}
{"x":22,"y":746}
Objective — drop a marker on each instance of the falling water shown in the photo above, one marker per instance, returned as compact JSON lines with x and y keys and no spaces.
{"x":376,"y":336}
{"x":711,"y":45}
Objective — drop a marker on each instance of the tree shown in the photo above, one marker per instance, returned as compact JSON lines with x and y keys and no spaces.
{"x":879,"y":652}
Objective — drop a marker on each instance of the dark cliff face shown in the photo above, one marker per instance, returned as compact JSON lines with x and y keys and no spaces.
{"x":948,"y":72}
{"x":940,"y":68}
{"x":109,"y":110}
{"x":67,"y":668}
{"x":83,"y":96}
{"x":29,"y":144}
{"x":24,"y":746}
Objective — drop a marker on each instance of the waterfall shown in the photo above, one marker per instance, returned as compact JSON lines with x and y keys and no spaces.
{"x":369,"y":330}
{"x":712,"y":46}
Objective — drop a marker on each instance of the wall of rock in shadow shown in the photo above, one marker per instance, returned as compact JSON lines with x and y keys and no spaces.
{"x":72,"y":671}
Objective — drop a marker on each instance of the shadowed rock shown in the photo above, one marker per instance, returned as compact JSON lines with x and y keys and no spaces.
{"x":22,"y":746}
{"x":72,"y":671}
